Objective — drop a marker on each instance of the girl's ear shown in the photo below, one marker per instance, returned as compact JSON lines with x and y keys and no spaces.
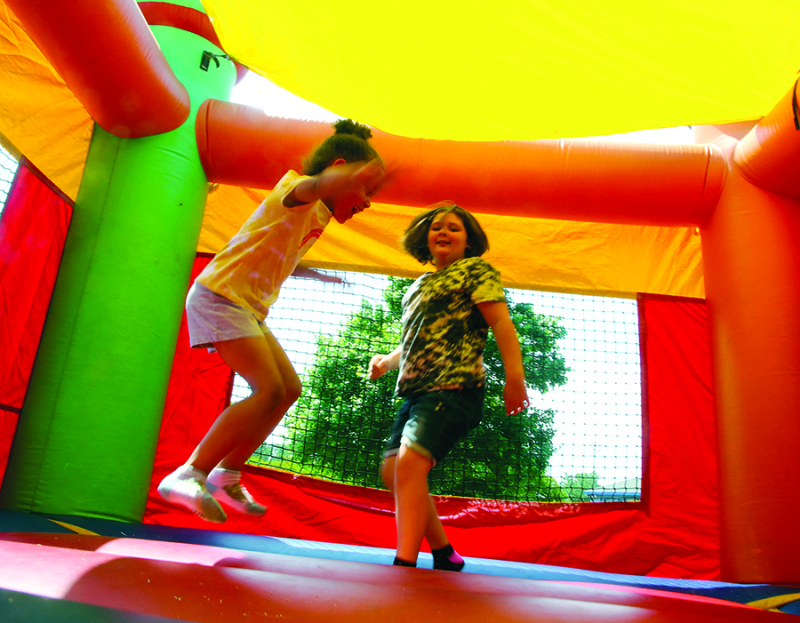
{"x":337,"y":162}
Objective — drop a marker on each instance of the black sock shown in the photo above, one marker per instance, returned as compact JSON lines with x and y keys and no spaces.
{"x":399,"y":562}
{"x":446,"y":559}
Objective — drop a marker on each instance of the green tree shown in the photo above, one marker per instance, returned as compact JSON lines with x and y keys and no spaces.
{"x":572,"y":487}
{"x":338,"y":428}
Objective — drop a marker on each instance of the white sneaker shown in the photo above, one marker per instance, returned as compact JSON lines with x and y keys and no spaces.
{"x":226,"y":486}
{"x":186,"y":486}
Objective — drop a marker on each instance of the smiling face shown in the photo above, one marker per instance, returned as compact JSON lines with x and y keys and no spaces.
{"x":447,"y":240}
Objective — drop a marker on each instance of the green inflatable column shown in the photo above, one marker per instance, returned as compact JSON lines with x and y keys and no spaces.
{"x":87,"y":434}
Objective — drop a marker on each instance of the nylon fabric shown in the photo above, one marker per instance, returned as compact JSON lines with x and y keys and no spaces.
{"x":523,"y":70}
{"x":44,"y":121}
{"x":33,"y":228}
{"x":587,"y":258}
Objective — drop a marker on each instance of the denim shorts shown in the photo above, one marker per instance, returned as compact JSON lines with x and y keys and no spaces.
{"x":434,"y":422}
{"x":212,"y":318}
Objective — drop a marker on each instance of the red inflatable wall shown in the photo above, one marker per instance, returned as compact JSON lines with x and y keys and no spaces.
{"x":672,"y":533}
{"x":33,"y":228}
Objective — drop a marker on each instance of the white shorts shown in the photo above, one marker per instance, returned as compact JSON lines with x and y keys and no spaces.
{"x":212,"y":318}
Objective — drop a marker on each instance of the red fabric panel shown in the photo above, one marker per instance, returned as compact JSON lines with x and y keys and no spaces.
{"x":683,"y":443}
{"x":33,"y":229}
{"x":676,"y":536}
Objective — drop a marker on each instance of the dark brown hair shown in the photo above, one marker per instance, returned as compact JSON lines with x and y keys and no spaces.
{"x":415,"y":238}
{"x":349,"y":142}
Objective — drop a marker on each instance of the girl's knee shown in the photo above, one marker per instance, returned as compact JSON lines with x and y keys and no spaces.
{"x":411,"y":467}
{"x":270,"y":396}
{"x":387,"y":472}
{"x":280,"y":394}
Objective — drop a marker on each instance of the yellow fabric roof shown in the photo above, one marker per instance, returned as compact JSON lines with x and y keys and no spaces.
{"x":539,"y":254}
{"x":470,"y":71}
{"x":521,"y":70}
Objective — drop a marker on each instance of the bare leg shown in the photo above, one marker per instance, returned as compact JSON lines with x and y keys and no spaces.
{"x":413,"y":504}
{"x":434,"y":530}
{"x":243,"y":426}
{"x":237,"y":431}
{"x":237,"y":457}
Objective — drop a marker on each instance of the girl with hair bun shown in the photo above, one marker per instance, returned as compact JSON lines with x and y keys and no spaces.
{"x":229,"y":301}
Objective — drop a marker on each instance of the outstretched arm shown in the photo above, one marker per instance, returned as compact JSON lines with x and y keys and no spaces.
{"x":358,"y":181}
{"x":381,"y":364}
{"x":515,"y":393}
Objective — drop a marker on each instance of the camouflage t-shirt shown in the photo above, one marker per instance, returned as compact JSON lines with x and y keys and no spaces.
{"x":444,"y":332}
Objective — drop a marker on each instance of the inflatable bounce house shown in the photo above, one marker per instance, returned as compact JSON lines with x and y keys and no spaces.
{"x":120,"y":116}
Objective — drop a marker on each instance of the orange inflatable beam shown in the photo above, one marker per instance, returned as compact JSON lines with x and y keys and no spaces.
{"x":106,"y":54}
{"x":577,"y":180}
{"x":752,"y":269}
{"x":768,"y":156}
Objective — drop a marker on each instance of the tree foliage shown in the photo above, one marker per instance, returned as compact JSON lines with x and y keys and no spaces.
{"x":338,"y":427}
{"x":573,"y":487}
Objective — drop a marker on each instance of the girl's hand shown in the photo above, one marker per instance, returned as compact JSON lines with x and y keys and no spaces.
{"x":369,"y":177}
{"x":377,"y":367}
{"x":347,"y":189}
{"x":381,"y":364}
{"x":356,"y":178}
{"x":515,"y":396}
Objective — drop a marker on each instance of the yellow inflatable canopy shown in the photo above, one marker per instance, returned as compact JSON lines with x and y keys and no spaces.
{"x":521,"y":70}
{"x":505,"y":71}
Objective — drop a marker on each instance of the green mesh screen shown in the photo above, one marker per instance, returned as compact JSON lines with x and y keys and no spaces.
{"x":580,"y":441}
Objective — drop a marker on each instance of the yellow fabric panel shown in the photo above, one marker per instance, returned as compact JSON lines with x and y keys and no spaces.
{"x":521,"y":70}
{"x":540,"y":254}
{"x":39,"y":116}
{"x":41,"y":119}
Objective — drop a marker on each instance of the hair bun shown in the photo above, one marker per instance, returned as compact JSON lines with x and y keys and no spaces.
{"x":348,"y":126}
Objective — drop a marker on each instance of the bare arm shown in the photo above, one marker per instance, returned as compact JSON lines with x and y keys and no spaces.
{"x":309,"y":273}
{"x":381,"y":364}
{"x":359,"y":180}
{"x":515,"y":393}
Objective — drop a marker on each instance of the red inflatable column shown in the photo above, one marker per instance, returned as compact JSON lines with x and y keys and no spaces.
{"x":751,"y":255}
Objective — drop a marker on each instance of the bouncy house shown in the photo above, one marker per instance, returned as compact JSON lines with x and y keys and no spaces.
{"x":135,"y":167}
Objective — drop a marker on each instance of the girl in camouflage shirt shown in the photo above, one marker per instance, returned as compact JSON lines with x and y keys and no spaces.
{"x":447,"y":314}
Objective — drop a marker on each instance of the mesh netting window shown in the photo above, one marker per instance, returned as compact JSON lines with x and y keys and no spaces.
{"x":580,"y":441}
{"x":8,"y":167}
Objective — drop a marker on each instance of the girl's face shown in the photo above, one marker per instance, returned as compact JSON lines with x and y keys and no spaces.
{"x":447,"y":240}
{"x":343,"y":208}
{"x":356,"y":197}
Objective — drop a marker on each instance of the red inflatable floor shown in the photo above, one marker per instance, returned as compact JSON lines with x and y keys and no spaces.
{"x":191,"y":582}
